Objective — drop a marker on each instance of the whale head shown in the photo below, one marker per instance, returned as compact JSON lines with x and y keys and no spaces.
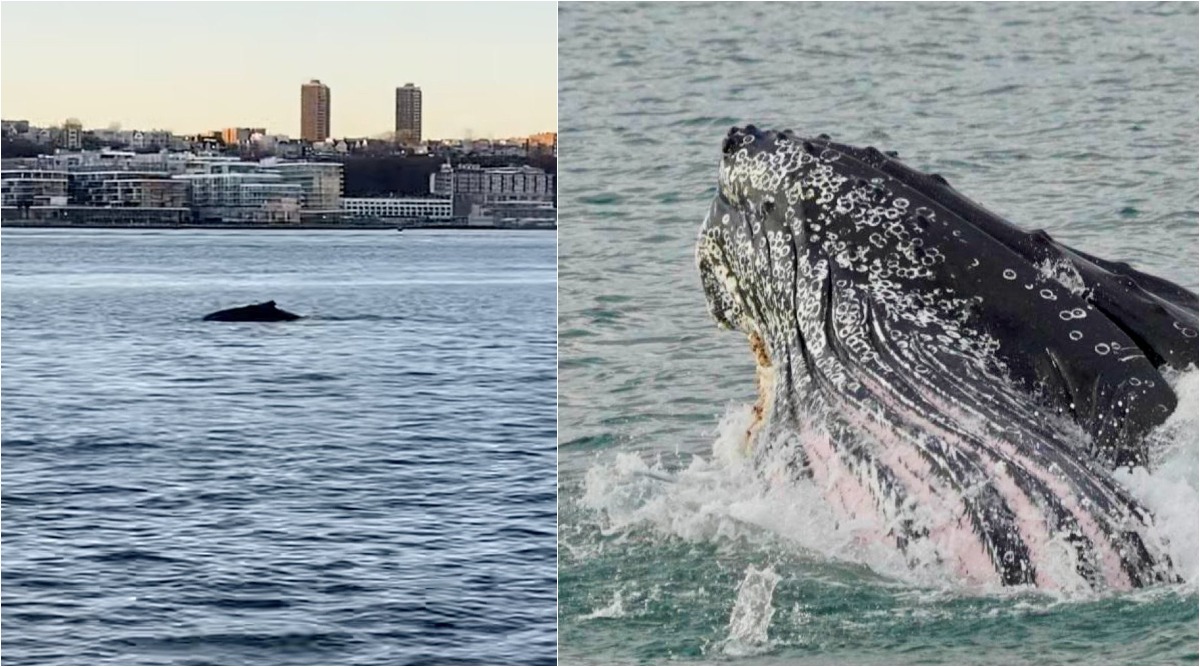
{"x":754,"y":213}
{"x":915,"y":350}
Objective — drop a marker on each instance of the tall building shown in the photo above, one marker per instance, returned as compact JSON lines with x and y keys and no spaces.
{"x":314,"y":111}
{"x":408,"y":115}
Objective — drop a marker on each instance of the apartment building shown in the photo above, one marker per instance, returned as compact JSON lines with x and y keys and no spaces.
{"x":524,"y":183}
{"x":314,"y":111}
{"x":408,"y":115}
{"x":320,"y":182}
{"x":24,"y":188}
{"x":410,"y":208}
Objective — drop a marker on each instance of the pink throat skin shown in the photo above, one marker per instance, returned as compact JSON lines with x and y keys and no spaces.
{"x":949,"y":530}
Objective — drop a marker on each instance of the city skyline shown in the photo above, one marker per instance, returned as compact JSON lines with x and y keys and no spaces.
{"x":479,"y":82}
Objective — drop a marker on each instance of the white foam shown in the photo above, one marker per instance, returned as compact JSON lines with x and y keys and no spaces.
{"x":723,"y":498}
{"x":1171,"y":488}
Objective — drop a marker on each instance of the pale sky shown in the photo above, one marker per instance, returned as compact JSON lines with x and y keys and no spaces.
{"x":489,"y":69}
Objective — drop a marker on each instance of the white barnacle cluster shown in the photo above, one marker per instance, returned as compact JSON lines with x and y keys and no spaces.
{"x":779,"y":245}
{"x":865,"y":229}
{"x":1063,"y":272}
{"x":720,"y":284}
{"x":856,"y":233}
{"x":822,"y":183}
{"x":743,"y":174}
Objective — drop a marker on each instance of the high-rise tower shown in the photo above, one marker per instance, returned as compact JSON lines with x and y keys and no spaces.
{"x":314,"y":111}
{"x":408,"y":115}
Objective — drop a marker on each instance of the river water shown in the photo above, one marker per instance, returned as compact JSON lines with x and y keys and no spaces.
{"x":1080,"y":119}
{"x":373,"y":484}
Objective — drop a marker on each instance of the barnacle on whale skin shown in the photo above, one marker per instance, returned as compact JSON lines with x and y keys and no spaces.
{"x":945,"y":359}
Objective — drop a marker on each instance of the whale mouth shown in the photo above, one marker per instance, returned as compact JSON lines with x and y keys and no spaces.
{"x":724,"y":296}
{"x":969,"y":383}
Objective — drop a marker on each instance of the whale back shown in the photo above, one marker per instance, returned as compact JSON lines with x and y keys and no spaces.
{"x":257,"y":312}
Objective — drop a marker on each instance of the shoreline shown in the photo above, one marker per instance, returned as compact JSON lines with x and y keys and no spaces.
{"x":273,"y":227}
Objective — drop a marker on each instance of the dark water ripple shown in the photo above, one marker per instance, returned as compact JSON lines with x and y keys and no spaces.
{"x":371,"y":485}
{"x":1077,"y":118}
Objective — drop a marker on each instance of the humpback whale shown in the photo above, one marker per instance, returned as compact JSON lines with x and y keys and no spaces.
{"x":963,"y":385}
{"x":258,"y":312}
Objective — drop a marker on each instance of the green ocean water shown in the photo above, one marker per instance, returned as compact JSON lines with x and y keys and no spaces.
{"x":1080,"y":119}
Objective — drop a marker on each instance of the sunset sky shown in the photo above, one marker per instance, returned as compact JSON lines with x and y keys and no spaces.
{"x":485,"y":69}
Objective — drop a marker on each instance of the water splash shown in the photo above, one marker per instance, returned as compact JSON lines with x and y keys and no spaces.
{"x":1171,"y":490}
{"x":614,"y":609}
{"x":723,"y":498}
{"x":752,"y":612}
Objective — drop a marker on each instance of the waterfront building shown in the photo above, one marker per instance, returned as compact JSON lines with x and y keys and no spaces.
{"x":241,"y":192}
{"x":527,"y":214}
{"x":514,"y":214}
{"x":408,"y":115}
{"x":410,"y":208}
{"x":93,"y":196}
{"x":314,"y":111}
{"x":524,"y":183}
{"x":26,"y":187}
{"x":320,"y":182}
{"x":127,"y":189}
{"x":86,"y":187}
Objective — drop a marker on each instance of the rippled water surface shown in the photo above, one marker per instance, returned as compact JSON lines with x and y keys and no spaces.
{"x":1080,"y":119}
{"x":373,"y":484}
